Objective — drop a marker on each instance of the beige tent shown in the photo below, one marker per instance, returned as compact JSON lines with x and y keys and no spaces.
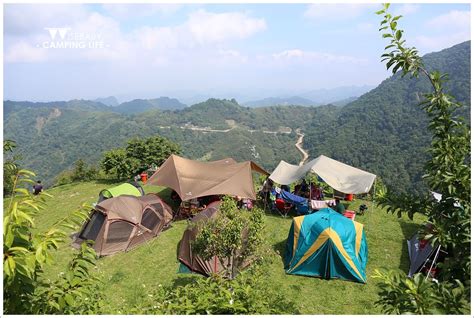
{"x":193,"y":179}
{"x":121,"y":223}
{"x":339,"y":176}
{"x":186,"y":256}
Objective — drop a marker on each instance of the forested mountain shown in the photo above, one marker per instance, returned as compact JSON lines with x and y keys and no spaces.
{"x":109,"y":101}
{"x":51,"y":139}
{"x":141,"y":105}
{"x":275,"y":101}
{"x":385,"y":131}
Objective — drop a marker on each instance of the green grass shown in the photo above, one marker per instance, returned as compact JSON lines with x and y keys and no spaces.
{"x":128,"y":276}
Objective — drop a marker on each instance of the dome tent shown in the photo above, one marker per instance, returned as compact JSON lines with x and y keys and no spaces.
{"x":122,"y":223}
{"x":124,"y":188}
{"x":328,"y":245}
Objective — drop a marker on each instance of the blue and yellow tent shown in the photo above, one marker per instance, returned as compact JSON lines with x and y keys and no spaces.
{"x":326,"y":244}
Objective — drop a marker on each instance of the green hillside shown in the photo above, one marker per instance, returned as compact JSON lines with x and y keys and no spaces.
{"x":385,"y":131}
{"x":128,"y":276}
{"x":50,"y":139}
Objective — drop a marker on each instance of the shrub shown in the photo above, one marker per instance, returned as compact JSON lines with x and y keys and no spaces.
{"x":249,"y":293}
{"x":26,"y":253}
{"x":233,"y":236}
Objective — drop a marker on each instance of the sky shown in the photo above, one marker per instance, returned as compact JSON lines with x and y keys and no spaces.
{"x":84,"y":51}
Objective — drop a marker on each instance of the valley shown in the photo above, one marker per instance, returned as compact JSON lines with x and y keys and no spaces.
{"x":382,"y":131}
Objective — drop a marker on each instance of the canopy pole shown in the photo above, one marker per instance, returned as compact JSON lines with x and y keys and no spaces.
{"x":433,"y":262}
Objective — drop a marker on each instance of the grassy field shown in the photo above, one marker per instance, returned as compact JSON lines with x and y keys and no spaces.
{"x":129,"y":275}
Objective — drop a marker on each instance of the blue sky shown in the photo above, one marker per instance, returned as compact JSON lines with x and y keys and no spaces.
{"x":237,"y":50}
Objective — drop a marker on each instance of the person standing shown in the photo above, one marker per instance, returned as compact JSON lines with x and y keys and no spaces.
{"x":37,"y":188}
{"x":339,"y":208}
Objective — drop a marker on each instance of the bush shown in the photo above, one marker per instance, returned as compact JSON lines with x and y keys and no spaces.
{"x":26,"y":253}
{"x":403,"y":295}
{"x":249,"y":293}
{"x":233,"y":236}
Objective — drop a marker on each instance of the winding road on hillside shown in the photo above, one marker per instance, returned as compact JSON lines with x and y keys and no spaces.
{"x":299,"y":144}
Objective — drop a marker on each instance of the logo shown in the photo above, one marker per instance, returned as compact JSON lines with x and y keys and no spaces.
{"x":66,"y":38}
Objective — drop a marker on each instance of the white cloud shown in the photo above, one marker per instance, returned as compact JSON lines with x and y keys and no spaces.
{"x":25,"y":52}
{"x":454,"y":19}
{"x":24,"y":19}
{"x":320,"y":11}
{"x":131,"y":11}
{"x":407,"y":9}
{"x":428,"y":44}
{"x":207,"y":27}
{"x":204,"y":31}
{"x":202,"y":28}
{"x":313,"y":56}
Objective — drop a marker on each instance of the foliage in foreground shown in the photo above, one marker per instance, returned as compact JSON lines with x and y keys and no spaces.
{"x":10,"y":169}
{"x":448,"y":173}
{"x":248,"y":293}
{"x":234,"y":236}
{"x":417,"y":295}
{"x":26,"y":253}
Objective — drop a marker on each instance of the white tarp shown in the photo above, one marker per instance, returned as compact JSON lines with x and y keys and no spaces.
{"x":338,"y":175}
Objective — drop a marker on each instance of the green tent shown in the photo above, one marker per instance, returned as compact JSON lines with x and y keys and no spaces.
{"x":327,"y":244}
{"x":124,"y":188}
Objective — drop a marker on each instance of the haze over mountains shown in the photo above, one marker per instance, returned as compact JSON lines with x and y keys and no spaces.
{"x":383,"y":131}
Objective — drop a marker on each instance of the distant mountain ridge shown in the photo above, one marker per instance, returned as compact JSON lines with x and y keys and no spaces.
{"x":109,"y":101}
{"x":280,"y":101}
{"x":141,"y":105}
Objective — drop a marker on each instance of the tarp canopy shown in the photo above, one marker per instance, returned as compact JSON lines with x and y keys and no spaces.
{"x":193,"y":179}
{"x":338,"y":175}
{"x":326,"y":244}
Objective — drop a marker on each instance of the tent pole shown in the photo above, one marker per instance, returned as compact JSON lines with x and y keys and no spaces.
{"x":433,"y":262}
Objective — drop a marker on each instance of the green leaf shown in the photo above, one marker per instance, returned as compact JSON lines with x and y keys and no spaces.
{"x":398,"y":34}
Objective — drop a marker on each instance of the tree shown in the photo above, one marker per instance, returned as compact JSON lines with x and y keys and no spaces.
{"x":233,"y":236}
{"x":10,"y":167}
{"x":116,"y":161}
{"x":150,"y":152}
{"x":447,"y":172}
{"x":139,"y":155}
{"x":26,"y":253}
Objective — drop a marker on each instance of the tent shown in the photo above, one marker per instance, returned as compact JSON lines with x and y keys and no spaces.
{"x":193,"y":262}
{"x":121,"y":223}
{"x":193,"y":179}
{"x":124,"y":188}
{"x":419,"y":254}
{"x":326,"y":244}
{"x":338,"y":175}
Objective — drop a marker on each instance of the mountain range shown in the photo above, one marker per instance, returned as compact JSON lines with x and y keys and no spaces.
{"x":383,"y":131}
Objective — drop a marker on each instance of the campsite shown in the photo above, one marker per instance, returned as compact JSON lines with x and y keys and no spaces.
{"x":125,"y":273}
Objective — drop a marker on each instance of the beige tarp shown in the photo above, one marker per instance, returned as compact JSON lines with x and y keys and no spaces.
{"x":193,"y":179}
{"x":338,"y":175}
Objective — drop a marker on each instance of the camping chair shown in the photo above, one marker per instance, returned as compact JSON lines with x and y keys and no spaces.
{"x":283,"y":207}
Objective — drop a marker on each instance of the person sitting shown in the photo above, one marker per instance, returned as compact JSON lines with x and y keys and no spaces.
{"x":314,"y":193}
{"x":339,"y":208}
{"x":303,"y":187}
{"x":37,"y":188}
{"x":297,"y":189}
